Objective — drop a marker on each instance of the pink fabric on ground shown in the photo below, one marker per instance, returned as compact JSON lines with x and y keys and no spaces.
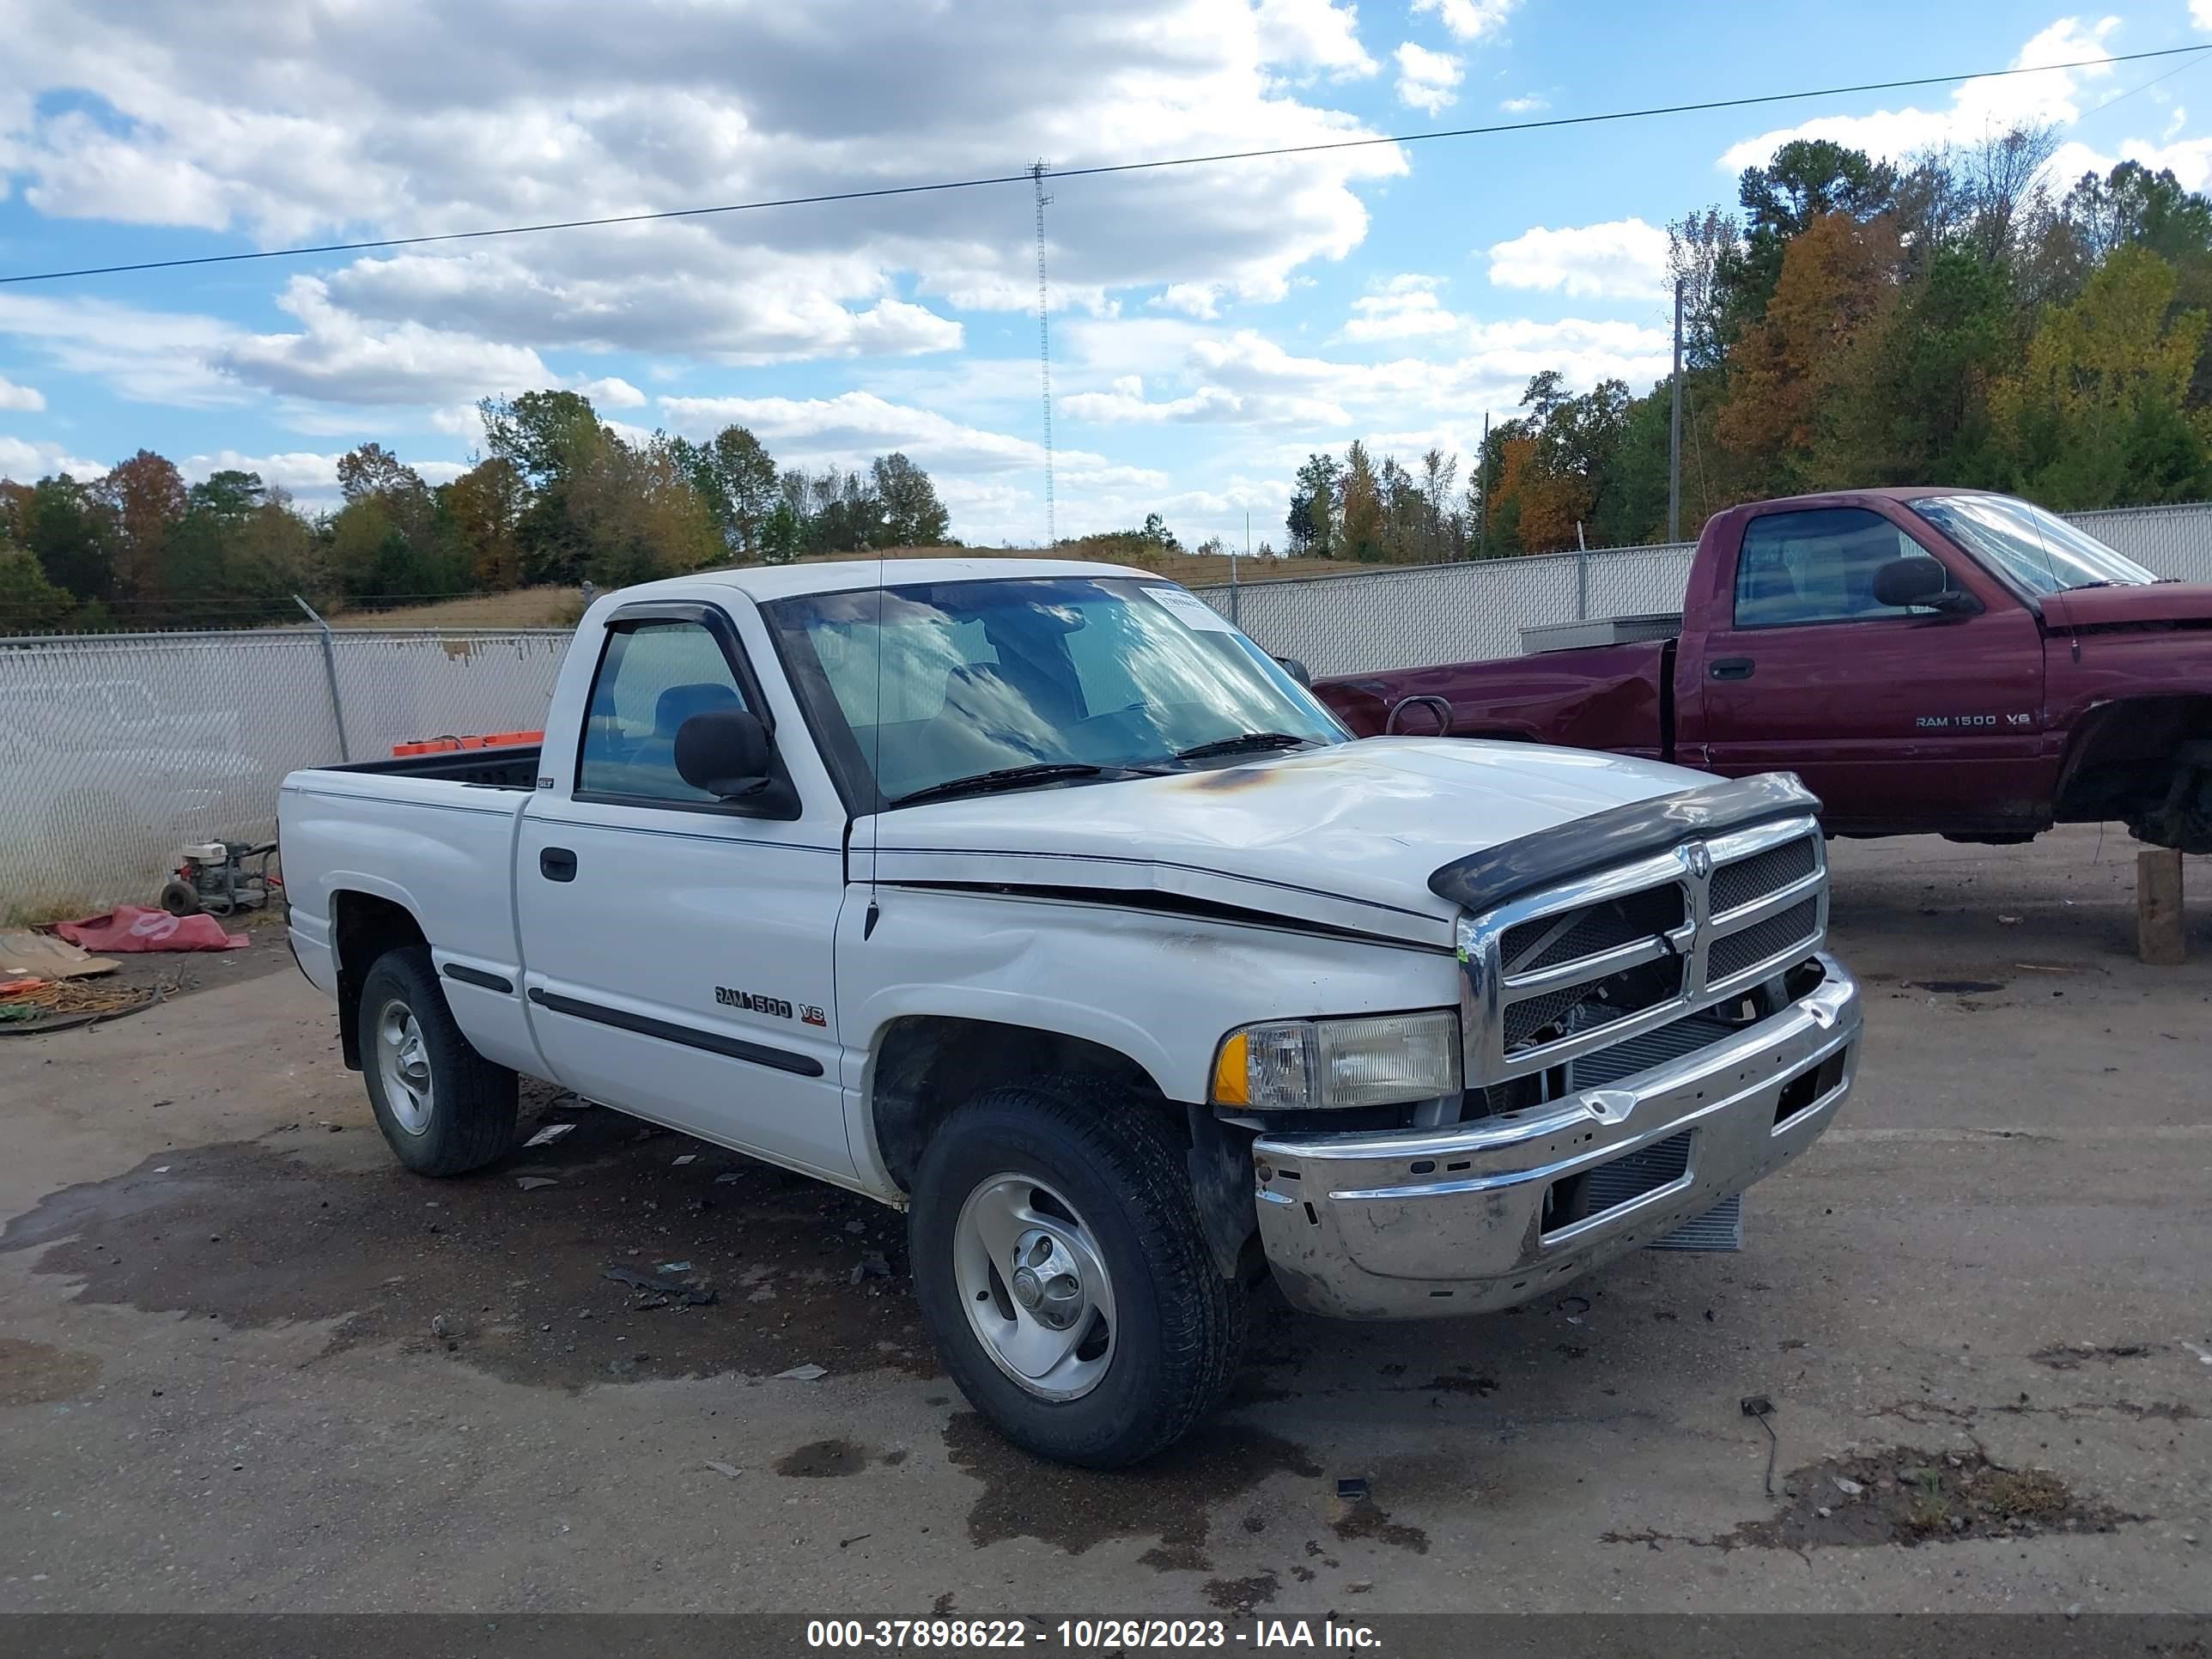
{"x":134,"y":927}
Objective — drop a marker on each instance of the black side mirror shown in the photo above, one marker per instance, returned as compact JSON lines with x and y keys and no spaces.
{"x":1922,"y":582}
{"x":1296,"y":669}
{"x":723,"y":751}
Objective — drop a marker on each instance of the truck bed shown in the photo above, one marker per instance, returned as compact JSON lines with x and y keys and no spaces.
{"x":1599,"y":696}
{"x":490,"y":768}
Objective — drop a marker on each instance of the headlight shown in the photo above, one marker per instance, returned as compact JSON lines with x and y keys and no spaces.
{"x":1382,"y":1060}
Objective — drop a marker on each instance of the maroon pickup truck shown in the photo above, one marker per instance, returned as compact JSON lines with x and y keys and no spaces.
{"x":1929,"y":661}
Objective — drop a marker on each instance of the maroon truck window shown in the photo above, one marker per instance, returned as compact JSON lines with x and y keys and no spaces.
{"x":1816,"y":566}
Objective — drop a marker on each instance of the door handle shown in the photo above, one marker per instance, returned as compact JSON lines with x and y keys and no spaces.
{"x":557,"y":864}
{"x":1732,"y":668}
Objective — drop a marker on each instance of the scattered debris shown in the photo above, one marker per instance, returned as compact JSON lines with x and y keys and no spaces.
{"x":531,"y":1183}
{"x":1353,"y":1489}
{"x":549,"y":1135}
{"x":30,"y":1006}
{"x":673,"y":1267}
{"x":2008,"y":921}
{"x":686,"y":1158}
{"x":26,"y":954}
{"x":871,"y":1266}
{"x":631,"y":1277}
{"x":802,"y":1373}
{"x":1242,"y":1596}
{"x":728,"y":1178}
{"x":2069,"y":1356}
{"x":729,"y":1469}
{"x":1845,"y":1485}
{"x":1759,"y":1405}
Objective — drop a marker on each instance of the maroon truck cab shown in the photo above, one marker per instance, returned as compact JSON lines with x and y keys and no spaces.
{"x":1927,"y":660}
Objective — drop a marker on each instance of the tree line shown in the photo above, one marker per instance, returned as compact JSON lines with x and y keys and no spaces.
{"x":1852,"y":323}
{"x":554,"y":497}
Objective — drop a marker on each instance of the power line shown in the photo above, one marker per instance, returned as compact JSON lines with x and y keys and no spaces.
{"x":1102,"y":170}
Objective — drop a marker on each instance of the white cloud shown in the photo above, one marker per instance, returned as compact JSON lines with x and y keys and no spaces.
{"x":1427,"y":81}
{"x":1622,"y":258}
{"x":12,"y":396}
{"x":342,"y":357}
{"x":1126,"y":405}
{"x":1981,"y":109}
{"x":310,"y":478}
{"x":1312,"y":33}
{"x":1526,"y":104}
{"x":1192,"y":299}
{"x":1405,"y":307}
{"x":2190,"y":160}
{"x":346,"y":121}
{"x":848,"y":429}
{"x":151,"y":356}
{"x":613,"y":392}
{"x":2200,"y":13}
{"x":1469,"y":19}
{"x":26,"y":460}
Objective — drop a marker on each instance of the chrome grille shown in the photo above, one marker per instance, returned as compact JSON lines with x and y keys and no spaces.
{"x":1602,"y":959}
{"x":1586,"y":933}
{"x":1737,"y":885}
{"x":1777,"y":936}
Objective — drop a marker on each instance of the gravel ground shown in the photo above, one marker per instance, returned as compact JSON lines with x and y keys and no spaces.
{"x":246,"y":1363}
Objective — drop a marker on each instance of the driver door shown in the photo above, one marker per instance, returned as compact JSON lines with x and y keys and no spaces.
{"x":1897,"y":719}
{"x":678,"y":949}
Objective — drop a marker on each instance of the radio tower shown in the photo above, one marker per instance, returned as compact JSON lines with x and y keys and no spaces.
{"x":1044,"y":357}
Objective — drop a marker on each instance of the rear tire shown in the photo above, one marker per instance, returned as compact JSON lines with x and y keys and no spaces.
{"x":1061,"y":1209}
{"x":444,"y":1109}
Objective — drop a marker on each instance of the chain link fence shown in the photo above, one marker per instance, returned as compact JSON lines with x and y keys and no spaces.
{"x":1415,"y":615}
{"x":116,"y":749}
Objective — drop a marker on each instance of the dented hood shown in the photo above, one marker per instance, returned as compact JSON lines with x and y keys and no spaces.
{"x":1343,"y":837}
{"x":2082,"y":610}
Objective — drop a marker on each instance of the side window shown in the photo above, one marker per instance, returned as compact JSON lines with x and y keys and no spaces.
{"x":1816,"y":566}
{"x":655,"y":676}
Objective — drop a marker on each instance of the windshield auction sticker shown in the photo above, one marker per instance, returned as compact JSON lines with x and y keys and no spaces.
{"x":1193,"y":610}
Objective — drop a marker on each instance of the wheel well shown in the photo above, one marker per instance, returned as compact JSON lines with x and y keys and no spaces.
{"x":364,"y":927}
{"x":2121,"y":757}
{"x":926,"y":1065}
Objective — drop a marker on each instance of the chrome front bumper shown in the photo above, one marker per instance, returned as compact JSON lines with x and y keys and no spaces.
{"x":1421,"y":1223}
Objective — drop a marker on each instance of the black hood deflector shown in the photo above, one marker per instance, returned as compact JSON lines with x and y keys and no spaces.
{"x":1485,"y":880}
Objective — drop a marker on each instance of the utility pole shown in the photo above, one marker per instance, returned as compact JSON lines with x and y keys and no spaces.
{"x":1045,"y":358}
{"x":1675,"y":431}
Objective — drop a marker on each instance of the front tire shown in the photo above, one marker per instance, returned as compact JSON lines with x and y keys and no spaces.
{"x":1060,"y":1266}
{"x":444,"y":1109}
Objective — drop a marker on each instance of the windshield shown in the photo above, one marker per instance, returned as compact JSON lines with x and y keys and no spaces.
{"x":2036,"y":551}
{"x":968,"y":677}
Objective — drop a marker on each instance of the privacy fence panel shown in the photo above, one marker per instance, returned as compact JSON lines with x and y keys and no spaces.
{"x":116,"y":750}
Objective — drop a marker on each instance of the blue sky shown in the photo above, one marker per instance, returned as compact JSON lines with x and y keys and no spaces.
{"x":1210,"y":325}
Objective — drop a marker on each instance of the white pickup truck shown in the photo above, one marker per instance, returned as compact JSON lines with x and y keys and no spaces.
{"x":1034,"y":899}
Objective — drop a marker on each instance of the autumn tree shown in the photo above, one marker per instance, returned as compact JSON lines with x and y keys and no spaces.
{"x":2095,"y":414}
{"x":145,"y":496}
{"x":1834,"y":293}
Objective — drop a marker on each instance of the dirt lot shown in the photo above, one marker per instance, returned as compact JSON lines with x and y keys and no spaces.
{"x":245,"y":1364}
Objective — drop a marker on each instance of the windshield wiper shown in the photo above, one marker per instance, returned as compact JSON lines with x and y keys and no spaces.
{"x":1243,"y":742}
{"x":1006,"y":777}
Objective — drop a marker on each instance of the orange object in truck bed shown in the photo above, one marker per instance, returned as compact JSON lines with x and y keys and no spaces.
{"x":452,"y":745}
